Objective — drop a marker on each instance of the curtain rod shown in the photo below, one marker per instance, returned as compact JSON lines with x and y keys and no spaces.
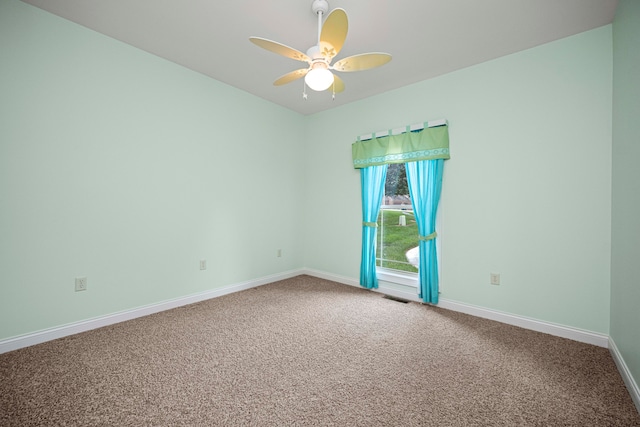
{"x":398,"y":131}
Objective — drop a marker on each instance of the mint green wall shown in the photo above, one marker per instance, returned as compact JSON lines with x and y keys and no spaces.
{"x":128,"y":169}
{"x":625,"y":245}
{"x":122,"y":167}
{"x":527,"y":192}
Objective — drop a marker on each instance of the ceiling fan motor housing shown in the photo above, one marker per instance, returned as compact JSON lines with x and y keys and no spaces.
{"x":314,"y":53}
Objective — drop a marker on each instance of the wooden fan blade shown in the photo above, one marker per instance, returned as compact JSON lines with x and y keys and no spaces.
{"x":363,"y":61}
{"x":280,"y":49}
{"x":338,"y":84}
{"x":334,"y":33}
{"x":289,"y":77}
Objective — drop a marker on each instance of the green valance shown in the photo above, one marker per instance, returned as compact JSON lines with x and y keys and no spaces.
{"x":425,"y":144}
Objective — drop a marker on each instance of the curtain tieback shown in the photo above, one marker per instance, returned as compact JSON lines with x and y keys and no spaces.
{"x":428,"y":237}
{"x":369,"y":224}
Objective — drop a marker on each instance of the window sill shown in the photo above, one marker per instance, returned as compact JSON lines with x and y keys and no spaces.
{"x":399,"y":277}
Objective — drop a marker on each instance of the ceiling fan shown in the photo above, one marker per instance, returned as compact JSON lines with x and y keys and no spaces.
{"x":331,"y":37}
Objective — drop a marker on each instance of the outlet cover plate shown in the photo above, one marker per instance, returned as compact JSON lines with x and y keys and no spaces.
{"x":495,"y":278}
{"x":81,"y":284}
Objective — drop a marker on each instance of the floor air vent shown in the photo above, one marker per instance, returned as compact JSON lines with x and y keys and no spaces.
{"x":392,"y":298}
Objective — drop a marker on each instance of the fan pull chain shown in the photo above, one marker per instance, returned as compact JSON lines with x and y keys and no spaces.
{"x":304,"y":90}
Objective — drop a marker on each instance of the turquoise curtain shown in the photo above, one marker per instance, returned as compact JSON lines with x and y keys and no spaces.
{"x":372,"y":179}
{"x":425,"y":150}
{"x":425,"y":185}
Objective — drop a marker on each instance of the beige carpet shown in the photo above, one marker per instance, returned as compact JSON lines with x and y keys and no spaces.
{"x":306,"y":351}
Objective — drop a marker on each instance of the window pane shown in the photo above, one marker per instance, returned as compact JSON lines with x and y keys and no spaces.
{"x":397,"y":228}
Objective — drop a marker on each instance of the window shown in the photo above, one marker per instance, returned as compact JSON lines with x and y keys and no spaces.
{"x":424,"y":148}
{"x":397,"y":232}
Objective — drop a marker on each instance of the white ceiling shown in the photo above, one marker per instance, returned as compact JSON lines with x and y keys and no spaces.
{"x":426,"y":38}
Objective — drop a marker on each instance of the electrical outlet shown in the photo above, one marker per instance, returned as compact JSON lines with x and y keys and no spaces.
{"x":495,"y":278}
{"x":279,"y":253}
{"x":81,"y":284}
{"x":203,"y":264}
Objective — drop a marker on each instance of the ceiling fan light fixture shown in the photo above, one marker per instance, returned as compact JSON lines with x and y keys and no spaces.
{"x":319,"y":78}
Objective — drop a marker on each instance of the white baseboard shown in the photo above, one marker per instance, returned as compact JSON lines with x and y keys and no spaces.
{"x":631,"y":384}
{"x":85,"y":325}
{"x":575,"y":334}
{"x":333,"y":277}
{"x":38,"y":337}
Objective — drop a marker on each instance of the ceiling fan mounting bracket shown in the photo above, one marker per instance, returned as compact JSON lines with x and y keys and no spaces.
{"x":320,"y":6}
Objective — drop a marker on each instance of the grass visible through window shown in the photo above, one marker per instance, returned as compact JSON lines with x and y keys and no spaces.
{"x":397,"y":239}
